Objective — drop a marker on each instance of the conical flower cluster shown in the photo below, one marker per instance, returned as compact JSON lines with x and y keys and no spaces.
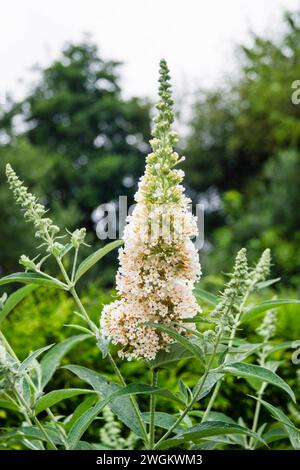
{"x":159,"y":263}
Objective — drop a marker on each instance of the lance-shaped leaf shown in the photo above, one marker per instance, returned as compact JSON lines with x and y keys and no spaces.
{"x":195,"y":349}
{"x":54,"y":397}
{"x":204,"y":430}
{"x":163,"y":420}
{"x":91,"y":260}
{"x":209,"y":383}
{"x":33,"y":278}
{"x":206,"y":296}
{"x":291,"y":430}
{"x":14,"y":299}
{"x":82,"y":424}
{"x":52,"y":359}
{"x":253,"y":312}
{"x":168,"y":359}
{"x":32,"y":357}
{"x":120,"y":406}
{"x":270,"y":282}
{"x":85,"y":405}
{"x":241,"y":369}
{"x":9,"y":405}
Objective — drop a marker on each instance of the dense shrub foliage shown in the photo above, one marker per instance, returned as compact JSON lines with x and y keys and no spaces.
{"x":157,"y":322}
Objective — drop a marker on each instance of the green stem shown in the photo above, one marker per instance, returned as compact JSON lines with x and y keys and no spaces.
{"x":47,"y":276}
{"x":30,"y":416}
{"x":74,"y":265}
{"x":211,"y":401}
{"x":218,"y":385}
{"x":48,"y":411}
{"x":63,"y":271}
{"x":131,"y":398}
{"x":260,"y":393}
{"x":197,"y":392}
{"x":152,"y":410}
{"x":82,"y":309}
{"x":232,"y":336}
{"x":94,"y":329}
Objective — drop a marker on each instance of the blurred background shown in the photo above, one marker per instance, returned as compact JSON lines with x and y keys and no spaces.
{"x":77,"y":86}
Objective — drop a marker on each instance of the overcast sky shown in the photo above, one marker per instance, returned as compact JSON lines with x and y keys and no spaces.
{"x":197,"y":37}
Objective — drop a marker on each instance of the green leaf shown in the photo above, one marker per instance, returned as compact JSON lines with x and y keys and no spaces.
{"x":292,"y":431}
{"x":32,"y":278}
{"x":83,"y":445}
{"x":168,"y":359}
{"x":52,"y":359}
{"x":145,"y":389}
{"x":275,"y":433}
{"x":184,"y":392}
{"x":9,"y":405}
{"x":213,"y":416}
{"x":89,"y":262}
{"x":206,"y":296}
{"x":162,"y":420}
{"x":270,"y":282}
{"x":103,"y":344}
{"x":83,"y":422}
{"x":242,"y":369}
{"x":192,"y":347}
{"x":209,"y":383}
{"x":51,"y":398}
{"x":257,"y":310}
{"x":240,"y":353}
{"x":14,"y":299}
{"x":196,"y":319}
{"x":29,"y":360}
{"x":86,"y":404}
{"x":81,"y":425}
{"x":120,"y":406}
{"x":203,"y":430}
{"x":80,"y":328}
{"x":31,"y":432}
{"x":281,"y":346}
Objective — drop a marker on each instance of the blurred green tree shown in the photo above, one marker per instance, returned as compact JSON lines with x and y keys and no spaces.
{"x":244,"y":147}
{"x":77,"y":138}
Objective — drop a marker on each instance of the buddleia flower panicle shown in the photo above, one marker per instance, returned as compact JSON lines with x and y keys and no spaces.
{"x":227,"y":309}
{"x":8,"y":372}
{"x":159,"y":263}
{"x":34,"y":212}
{"x":267,"y":328}
{"x":262,"y":269}
{"x":111,"y":432}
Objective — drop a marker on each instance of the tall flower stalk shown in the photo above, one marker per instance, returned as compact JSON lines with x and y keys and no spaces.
{"x":234,"y":297}
{"x":159,"y":263}
{"x":158,"y":269}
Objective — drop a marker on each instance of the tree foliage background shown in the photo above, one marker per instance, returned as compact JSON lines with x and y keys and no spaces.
{"x":79,"y":143}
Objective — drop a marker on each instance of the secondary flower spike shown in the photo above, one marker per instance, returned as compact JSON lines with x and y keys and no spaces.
{"x":159,"y":263}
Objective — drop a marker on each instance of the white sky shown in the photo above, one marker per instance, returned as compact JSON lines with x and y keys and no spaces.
{"x":197,"y":37}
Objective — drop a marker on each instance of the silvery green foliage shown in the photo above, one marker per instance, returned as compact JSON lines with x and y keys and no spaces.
{"x":262,"y":269}
{"x":8,"y":374}
{"x":224,"y":314}
{"x":24,"y":385}
{"x":268,"y":326}
{"x":34,"y":212}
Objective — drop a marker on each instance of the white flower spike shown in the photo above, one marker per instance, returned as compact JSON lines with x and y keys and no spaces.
{"x":159,"y":264}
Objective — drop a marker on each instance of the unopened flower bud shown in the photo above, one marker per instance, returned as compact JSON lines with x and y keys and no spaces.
{"x":27,"y":262}
{"x":77,"y":237}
